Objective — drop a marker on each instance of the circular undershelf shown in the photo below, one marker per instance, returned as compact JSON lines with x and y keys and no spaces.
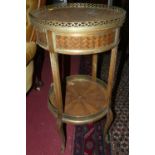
{"x":85,"y":101}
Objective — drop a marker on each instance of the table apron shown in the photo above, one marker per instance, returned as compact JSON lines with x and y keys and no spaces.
{"x":79,"y":43}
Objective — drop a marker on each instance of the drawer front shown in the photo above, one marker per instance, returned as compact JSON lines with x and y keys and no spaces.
{"x":86,"y":42}
{"x":79,"y":43}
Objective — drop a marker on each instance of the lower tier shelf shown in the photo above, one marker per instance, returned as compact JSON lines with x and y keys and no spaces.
{"x":85,"y":101}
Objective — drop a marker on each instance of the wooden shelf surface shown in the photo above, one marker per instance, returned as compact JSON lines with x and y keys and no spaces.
{"x":84,"y":96}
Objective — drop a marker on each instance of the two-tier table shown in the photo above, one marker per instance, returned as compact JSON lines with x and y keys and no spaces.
{"x":79,"y":29}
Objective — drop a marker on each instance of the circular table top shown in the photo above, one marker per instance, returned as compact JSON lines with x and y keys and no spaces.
{"x":77,"y":15}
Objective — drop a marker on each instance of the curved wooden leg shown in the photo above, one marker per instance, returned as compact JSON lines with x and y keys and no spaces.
{"x":109,"y":119}
{"x":62,"y":135}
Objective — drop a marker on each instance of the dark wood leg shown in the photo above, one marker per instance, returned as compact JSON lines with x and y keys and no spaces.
{"x":38,"y":63}
{"x":62,"y":135}
{"x":109,"y":119}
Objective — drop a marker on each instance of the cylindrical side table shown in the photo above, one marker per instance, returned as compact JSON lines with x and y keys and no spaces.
{"x":79,"y":29}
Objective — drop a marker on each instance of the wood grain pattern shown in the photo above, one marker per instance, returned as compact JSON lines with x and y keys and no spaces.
{"x":83,"y":97}
{"x":84,"y":42}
